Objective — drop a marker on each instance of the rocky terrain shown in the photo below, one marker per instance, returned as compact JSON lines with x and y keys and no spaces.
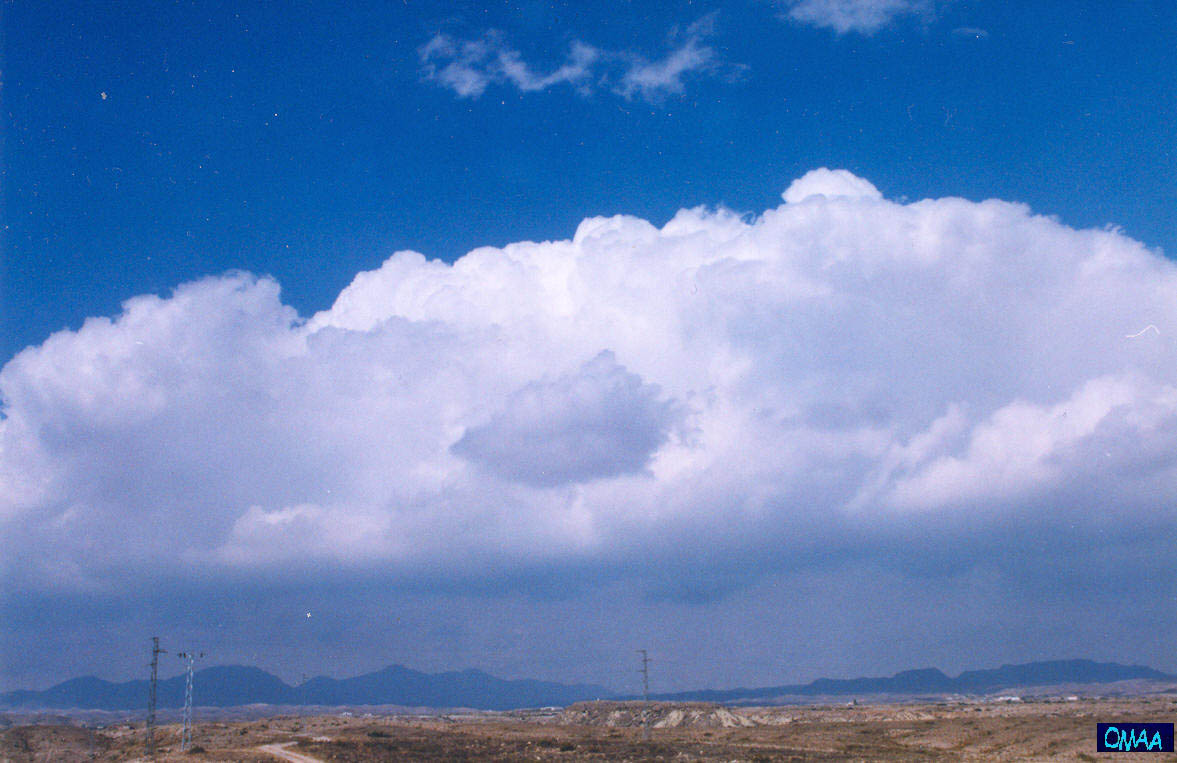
{"x":1054,"y":728}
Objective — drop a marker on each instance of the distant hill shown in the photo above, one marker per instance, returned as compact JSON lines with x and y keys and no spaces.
{"x":396,"y":685}
{"x":932,"y":681}
{"x":235,"y":685}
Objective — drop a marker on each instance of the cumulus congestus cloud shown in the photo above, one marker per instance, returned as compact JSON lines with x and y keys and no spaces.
{"x":842,"y":372}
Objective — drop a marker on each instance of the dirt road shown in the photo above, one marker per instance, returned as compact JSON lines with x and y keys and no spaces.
{"x":280,"y":751}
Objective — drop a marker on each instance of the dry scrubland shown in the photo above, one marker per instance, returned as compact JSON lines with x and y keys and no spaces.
{"x":611,"y":731}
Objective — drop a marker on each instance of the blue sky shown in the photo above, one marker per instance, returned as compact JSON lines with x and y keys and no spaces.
{"x":184,"y":170}
{"x":499,"y":444}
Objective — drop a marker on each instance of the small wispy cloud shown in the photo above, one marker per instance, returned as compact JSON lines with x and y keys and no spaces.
{"x":653,"y":79}
{"x":860,"y":16}
{"x":468,"y":67}
{"x":970,"y":33}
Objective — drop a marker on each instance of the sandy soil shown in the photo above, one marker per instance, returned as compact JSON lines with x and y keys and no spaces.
{"x":610,"y":731}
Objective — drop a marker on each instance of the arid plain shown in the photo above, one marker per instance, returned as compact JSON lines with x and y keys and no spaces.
{"x":1056,"y":728}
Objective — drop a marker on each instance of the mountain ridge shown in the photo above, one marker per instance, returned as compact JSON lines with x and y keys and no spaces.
{"x":236,"y":685}
{"x":935,"y":681}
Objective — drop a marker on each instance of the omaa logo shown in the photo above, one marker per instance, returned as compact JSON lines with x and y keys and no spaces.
{"x":1134,"y":737}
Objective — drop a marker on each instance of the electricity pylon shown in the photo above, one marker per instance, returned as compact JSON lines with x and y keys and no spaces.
{"x":186,"y":737}
{"x":155,"y":653}
{"x":645,"y":671}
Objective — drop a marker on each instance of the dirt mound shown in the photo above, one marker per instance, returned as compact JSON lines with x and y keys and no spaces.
{"x":659,"y":715}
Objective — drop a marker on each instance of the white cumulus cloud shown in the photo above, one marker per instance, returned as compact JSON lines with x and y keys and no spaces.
{"x":833,"y":374}
{"x":831,"y":184}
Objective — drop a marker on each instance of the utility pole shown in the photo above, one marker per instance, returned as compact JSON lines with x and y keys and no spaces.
{"x":645,"y":671}
{"x":155,"y":653}
{"x":186,"y":737}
